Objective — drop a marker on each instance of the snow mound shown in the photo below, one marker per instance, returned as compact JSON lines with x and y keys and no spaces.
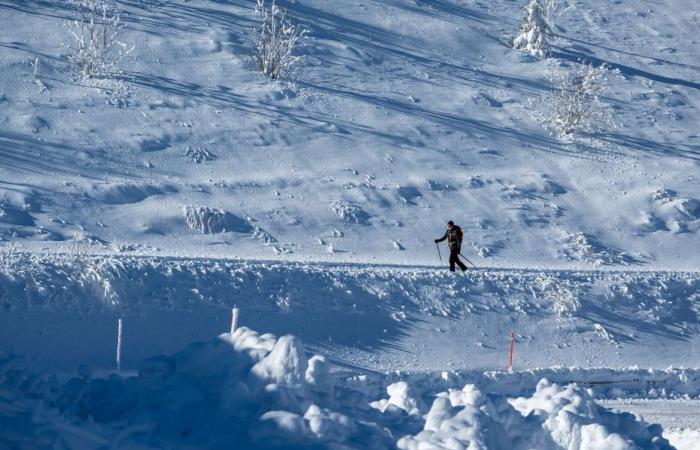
{"x":401,"y":396}
{"x":583,"y":247}
{"x":351,"y":213}
{"x":126,"y":193}
{"x":251,"y":390}
{"x":671,"y":212}
{"x":554,"y":417}
{"x":244,"y":390}
{"x":214,"y":220}
{"x":684,"y":439}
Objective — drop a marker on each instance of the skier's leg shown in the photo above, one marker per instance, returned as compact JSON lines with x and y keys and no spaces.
{"x":461,"y":264}
{"x":453,"y":259}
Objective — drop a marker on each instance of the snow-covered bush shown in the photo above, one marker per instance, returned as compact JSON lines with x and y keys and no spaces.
{"x":276,"y":39}
{"x":98,"y":275}
{"x":95,"y":49}
{"x":535,"y":29}
{"x":12,"y":257}
{"x":214,"y":220}
{"x":401,"y":397}
{"x":575,"y":104}
{"x":351,"y":213}
{"x":560,"y":296}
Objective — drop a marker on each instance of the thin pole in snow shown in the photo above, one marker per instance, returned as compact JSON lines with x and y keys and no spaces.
{"x":467,"y":260}
{"x":510,"y":352}
{"x":438,"y":247}
{"x":234,"y":319}
{"x":119,"y":345}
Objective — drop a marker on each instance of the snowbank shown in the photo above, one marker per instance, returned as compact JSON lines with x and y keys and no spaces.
{"x":413,"y":318}
{"x":603,"y":383}
{"x":684,"y":439}
{"x":555,"y":418}
{"x":249,"y":390}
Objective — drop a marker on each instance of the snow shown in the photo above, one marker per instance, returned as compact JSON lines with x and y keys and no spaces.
{"x":554,"y":417}
{"x":401,"y":397}
{"x":187,"y":183}
{"x":396,"y":118}
{"x":684,"y":439}
{"x":370,"y":317}
{"x":680,"y":418}
{"x":250,"y":390}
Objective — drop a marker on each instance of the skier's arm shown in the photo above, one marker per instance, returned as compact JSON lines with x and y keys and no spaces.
{"x":442,"y":238}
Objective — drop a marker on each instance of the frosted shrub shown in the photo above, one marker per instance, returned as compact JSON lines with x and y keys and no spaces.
{"x":205,"y":220}
{"x":575,"y":103}
{"x":214,"y":220}
{"x":276,"y":39}
{"x":535,"y":30}
{"x":98,"y":277}
{"x":95,"y":49}
{"x":561,"y":296}
{"x":12,"y":258}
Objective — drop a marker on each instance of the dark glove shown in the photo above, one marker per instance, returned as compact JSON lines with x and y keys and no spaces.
{"x":437,"y":240}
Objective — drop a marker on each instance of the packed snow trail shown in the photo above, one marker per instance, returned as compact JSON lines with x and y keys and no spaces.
{"x":64,"y":310}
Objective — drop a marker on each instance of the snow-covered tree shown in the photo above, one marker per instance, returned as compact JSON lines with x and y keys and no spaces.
{"x":575,"y":104}
{"x":95,"y":49}
{"x":535,"y":30}
{"x":276,"y":39}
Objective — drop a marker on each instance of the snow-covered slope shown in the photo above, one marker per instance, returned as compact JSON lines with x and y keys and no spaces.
{"x":189,"y":183}
{"x":399,"y":116}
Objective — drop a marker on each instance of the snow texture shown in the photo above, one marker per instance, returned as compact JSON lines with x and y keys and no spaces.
{"x":214,"y":220}
{"x":553,"y":418}
{"x":412,"y":318}
{"x":534,"y":33}
{"x":396,"y":116}
{"x":164,"y":185}
{"x":249,"y":390}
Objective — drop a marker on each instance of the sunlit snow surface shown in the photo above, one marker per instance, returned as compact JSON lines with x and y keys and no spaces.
{"x":312,"y":203}
{"x":399,"y":116}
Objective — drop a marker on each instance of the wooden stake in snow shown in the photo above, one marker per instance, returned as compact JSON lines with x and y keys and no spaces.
{"x":119,"y":345}
{"x":234,"y":319}
{"x":510,"y":352}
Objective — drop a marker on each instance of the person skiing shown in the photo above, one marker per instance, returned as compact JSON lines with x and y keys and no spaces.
{"x":454,"y":242}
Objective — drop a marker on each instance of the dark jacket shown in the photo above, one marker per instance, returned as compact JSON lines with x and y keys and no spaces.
{"x":454,"y":237}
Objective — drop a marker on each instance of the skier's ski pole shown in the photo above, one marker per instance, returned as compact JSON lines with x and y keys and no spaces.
{"x":438,"y":247}
{"x":467,"y":259}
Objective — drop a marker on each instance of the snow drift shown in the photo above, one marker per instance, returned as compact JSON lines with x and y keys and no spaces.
{"x":64,"y":309}
{"x":555,"y":418}
{"x":251,"y":390}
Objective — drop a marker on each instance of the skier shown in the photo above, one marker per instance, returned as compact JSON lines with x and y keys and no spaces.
{"x":454,"y":242}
